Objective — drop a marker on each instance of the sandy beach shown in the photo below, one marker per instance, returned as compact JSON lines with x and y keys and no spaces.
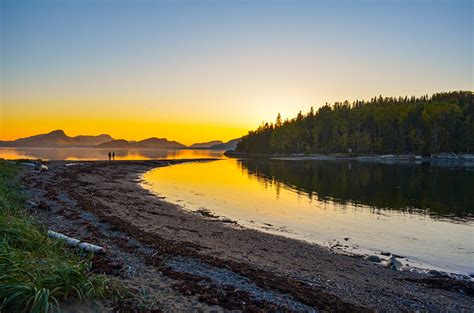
{"x":199,"y":262}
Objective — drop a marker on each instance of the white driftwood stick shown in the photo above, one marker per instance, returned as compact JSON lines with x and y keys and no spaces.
{"x":76,"y":243}
{"x":70,"y":241}
{"x":91,"y":248}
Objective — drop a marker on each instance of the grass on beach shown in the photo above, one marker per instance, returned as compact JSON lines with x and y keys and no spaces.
{"x":36,"y":272}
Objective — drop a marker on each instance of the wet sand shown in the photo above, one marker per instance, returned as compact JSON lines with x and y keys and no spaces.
{"x":195,"y":261}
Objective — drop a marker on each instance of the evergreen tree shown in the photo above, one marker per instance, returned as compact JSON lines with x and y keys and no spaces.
{"x":443,"y":122}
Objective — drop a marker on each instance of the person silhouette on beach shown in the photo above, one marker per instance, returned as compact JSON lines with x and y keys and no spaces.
{"x":113,"y":156}
{"x":110,"y":156}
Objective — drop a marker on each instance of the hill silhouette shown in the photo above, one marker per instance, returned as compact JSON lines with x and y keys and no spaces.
{"x":205,"y":145}
{"x":158,"y":143}
{"x":57,"y":138}
{"x":229,"y":145}
{"x":118,"y":144}
{"x":149,"y":143}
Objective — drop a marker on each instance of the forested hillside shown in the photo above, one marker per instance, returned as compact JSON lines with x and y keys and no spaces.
{"x":443,"y":122}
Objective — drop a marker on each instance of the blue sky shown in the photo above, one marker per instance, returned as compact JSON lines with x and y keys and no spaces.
{"x":223,"y":62}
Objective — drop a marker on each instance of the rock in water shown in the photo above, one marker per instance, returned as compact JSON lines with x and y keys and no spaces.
{"x":374,"y":258}
{"x":394,"y":264}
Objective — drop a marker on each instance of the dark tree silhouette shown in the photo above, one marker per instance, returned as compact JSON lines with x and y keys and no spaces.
{"x":443,"y":122}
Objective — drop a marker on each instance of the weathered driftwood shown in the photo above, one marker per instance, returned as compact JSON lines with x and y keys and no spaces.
{"x":91,"y":248}
{"x":76,"y":243}
{"x":72,"y":164}
{"x":38,"y":166}
{"x":70,"y":241}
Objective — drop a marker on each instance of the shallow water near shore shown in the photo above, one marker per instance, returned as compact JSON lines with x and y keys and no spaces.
{"x":425,"y":215}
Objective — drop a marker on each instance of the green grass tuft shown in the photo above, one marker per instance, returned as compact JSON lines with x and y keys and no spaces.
{"x":36,"y":272}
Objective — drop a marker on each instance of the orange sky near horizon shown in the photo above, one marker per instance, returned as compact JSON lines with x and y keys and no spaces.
{"x":185,"y":133}
{"x":187,"y":119}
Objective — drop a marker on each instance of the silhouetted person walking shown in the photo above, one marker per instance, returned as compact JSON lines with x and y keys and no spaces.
{"x":113,"y":156}
{"x":110,"y":156}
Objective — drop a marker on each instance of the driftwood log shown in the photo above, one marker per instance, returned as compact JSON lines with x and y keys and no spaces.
{"x":76,"y":242}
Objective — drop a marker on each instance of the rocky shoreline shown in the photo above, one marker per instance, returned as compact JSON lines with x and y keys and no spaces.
{"x":438,"y":160}
{"x":189,"y":261}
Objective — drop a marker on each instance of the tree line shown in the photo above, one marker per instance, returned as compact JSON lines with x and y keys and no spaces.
{"x":443,"y":122}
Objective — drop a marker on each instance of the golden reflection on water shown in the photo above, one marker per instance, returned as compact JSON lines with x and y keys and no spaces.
{"x":227,"y":189}
{"x":93,"y":154}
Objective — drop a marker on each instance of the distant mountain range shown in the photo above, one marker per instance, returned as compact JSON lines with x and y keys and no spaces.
{"x":150,"y":143}
{"x":58,"y":139}
{"x":205,"y":145}
{"x":229,"y":145}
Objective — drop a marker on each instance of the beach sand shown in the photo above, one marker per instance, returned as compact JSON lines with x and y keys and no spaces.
{"x":189,"y":261}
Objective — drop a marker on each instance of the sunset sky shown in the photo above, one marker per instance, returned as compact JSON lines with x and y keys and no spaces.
{"x":201,"y":70}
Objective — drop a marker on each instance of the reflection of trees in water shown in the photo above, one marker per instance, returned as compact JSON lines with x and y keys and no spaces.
{"x":267,"y":181}
{"x":439,"y":192}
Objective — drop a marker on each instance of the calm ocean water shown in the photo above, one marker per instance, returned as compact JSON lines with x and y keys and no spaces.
{"x":102,"y":154}
{"x":423,"y":214}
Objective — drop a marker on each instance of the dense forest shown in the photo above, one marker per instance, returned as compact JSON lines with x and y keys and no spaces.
{"x":443,"y":122}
